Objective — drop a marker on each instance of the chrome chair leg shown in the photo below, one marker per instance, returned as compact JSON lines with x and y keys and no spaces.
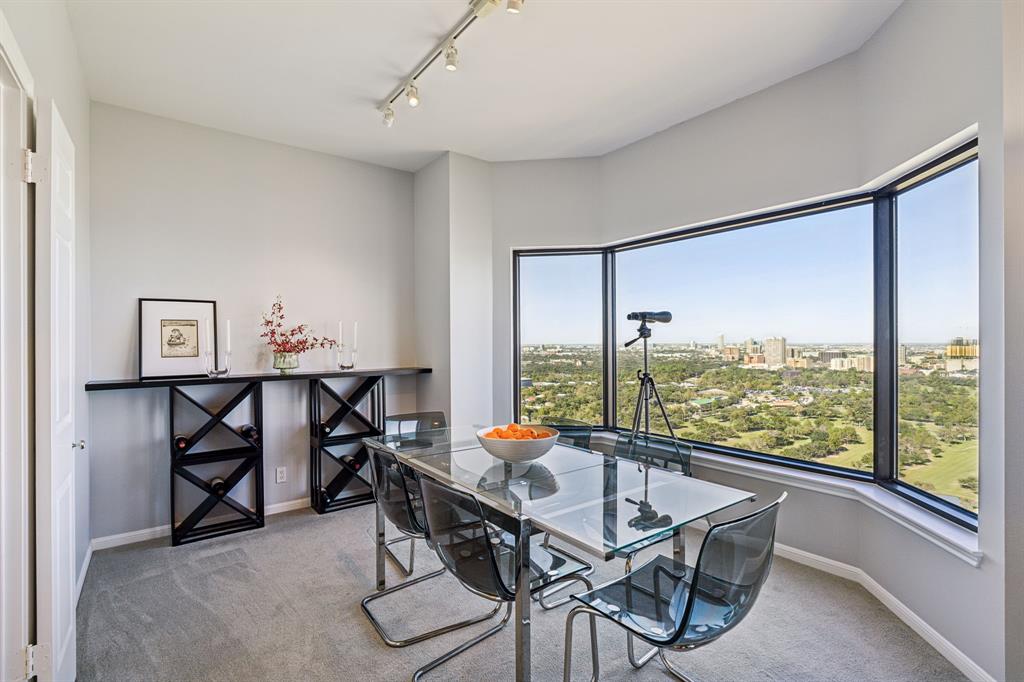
{"x":643,"y":660}
{"x":630,"y":652}
{"x":568,"y":581}
{"x":466,"y":645}
{"x":675,"y":672}
{"x":540,"y":596}
{"x":594,"y":657}
{"x":405,"y":571}
{"x":398,"y":643}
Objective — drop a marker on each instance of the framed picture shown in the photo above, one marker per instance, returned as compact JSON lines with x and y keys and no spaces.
{"x":173,"y":336}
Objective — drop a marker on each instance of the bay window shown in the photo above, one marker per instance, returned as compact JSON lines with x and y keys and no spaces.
{"x":840,"y":337}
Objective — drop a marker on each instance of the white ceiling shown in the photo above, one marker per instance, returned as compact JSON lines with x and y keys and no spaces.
{"x":566,"y":78}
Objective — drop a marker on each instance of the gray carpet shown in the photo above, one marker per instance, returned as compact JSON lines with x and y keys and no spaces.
{"x":282,"y":603}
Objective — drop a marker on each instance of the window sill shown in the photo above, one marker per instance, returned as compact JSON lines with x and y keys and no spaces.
{"x":958,"y":541}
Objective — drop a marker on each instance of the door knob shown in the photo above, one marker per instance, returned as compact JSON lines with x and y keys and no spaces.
{"x":79,"y":444}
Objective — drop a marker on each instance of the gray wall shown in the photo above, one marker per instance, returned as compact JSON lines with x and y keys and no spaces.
{"x":1013,"y":479}
{"x":433,"y":284}
{"x":181,"y":211}
{"x":43,"y":33}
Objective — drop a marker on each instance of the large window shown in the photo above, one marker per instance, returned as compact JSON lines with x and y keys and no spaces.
{"x":840,"y":337}
{"x":771,"y":345}
{"x":560,"y":325}
{"x":937,"y":322}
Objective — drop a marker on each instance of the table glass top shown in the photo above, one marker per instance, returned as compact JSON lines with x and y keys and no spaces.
{"x":601,"y":504}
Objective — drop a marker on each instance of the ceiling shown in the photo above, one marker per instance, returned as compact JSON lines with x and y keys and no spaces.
{"x":565,"y":78}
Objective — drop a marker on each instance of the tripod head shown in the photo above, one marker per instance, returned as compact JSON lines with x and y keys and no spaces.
{"x":643,"y":331}
{"x":647,"y":518}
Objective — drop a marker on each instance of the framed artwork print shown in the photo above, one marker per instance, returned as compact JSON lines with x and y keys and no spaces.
{"x":173,"y":335}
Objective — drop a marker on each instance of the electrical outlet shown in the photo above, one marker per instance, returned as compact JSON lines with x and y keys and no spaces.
{"x":282,"y":474}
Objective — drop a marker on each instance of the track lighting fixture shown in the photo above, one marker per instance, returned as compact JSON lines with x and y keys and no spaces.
{"x":451,"y":57}
{"x":478,"y":9}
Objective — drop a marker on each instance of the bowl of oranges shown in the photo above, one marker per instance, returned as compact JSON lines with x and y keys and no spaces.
{"x":517,"y":442}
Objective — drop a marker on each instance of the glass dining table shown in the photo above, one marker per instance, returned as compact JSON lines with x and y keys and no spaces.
{"x":597,"y":503}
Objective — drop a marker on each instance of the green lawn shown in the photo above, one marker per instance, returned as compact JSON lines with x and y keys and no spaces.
{"x":942,"y":475}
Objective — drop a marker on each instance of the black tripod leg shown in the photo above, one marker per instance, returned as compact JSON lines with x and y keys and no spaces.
{"x":637,"y":411}
{"x":664,"y":413}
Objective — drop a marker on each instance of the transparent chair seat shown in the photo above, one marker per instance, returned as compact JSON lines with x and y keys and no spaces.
{"x":470,"y":556}
{"x":648,"y":603}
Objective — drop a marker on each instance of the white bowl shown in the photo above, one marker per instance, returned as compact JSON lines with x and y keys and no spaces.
{"x":517,"y":451}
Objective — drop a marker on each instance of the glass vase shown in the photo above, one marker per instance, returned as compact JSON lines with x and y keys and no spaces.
{"x":286,"y":362}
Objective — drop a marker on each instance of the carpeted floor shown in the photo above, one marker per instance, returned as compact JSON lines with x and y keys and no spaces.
{"x":282,"y":603}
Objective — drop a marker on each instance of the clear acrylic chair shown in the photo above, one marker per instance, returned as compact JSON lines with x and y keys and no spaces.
{"x":674,"y":606}
{"x":663,"y":453}
{"x":410,"y":425}
{"x":482,"y":556}
{"x":577,"y":434}
{"x":397,"y":492}
{"x":570,"y":431}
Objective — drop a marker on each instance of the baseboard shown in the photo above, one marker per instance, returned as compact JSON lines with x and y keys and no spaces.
{"x":82,"y":572}
{"x":144,"y":534}
{"x":964,"y":663}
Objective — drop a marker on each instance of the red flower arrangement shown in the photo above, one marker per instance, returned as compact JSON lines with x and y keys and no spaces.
{"x":295,"y":340}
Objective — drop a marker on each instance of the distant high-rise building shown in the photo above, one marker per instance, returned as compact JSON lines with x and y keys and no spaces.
{"x":830,"y":355}
{"x":962,"y":348}
{"x":731,"y":353}
{"x":903,"y":354}
{"x":861,"y":363}
{"x":775,"y":351}
{"x":754,"y":359}
{"x":794,"y":352}
{"x":751,"y":346}
{"x":721,"y":343}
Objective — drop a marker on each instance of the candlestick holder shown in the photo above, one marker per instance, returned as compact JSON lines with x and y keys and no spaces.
{"x":341,"y":358}
{"x":210,"y":365}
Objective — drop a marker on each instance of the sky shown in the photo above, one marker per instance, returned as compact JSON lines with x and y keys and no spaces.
{"x":808,"y":279}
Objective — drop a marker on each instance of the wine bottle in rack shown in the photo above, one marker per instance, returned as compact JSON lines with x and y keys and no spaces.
{"x":180,"y":442}
{"x":219,"y":487}
{"x":352,"y":462}
{"x":325,"y":429}
{"x":250,"y":433}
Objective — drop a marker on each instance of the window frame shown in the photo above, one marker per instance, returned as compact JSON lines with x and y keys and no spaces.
{"x":885,"y":467}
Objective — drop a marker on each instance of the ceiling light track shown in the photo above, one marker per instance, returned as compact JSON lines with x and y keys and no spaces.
{"x":445,"y":48}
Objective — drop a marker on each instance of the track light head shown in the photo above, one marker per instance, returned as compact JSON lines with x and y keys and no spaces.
{"x":389,"y":116}
{"x":412,"y":95}
{"x":514,"y":6}
{"x":451,"y":57}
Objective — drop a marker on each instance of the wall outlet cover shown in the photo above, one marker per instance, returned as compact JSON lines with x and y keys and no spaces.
{"x":282,"y":474}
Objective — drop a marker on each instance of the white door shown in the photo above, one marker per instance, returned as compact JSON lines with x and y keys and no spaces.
{"x":56,"y":441}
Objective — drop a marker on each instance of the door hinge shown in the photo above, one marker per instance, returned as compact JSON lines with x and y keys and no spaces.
{"x":30,"y":661}
{"x":27,"y":155}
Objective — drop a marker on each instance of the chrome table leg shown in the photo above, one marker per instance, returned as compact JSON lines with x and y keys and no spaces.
{"x":523,"y":600}
{"x":380,"y":548}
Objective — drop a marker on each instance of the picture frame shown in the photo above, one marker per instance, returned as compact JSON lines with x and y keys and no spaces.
{"x":173,"y":337}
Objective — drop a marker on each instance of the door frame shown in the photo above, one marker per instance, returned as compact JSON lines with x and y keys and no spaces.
{"x":17,"y":547}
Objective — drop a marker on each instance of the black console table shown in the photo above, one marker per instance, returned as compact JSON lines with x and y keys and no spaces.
{"x":337,"y":425}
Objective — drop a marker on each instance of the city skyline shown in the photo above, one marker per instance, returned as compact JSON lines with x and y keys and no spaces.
{"x":809,"y":279}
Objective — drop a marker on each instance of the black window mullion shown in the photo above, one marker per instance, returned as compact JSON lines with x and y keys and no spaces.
{"x":608,"y":351}
{"x":516,"y":349}
{"x":885,"y":466}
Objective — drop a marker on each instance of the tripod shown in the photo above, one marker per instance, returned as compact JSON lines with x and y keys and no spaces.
{"x":648,"y":390}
